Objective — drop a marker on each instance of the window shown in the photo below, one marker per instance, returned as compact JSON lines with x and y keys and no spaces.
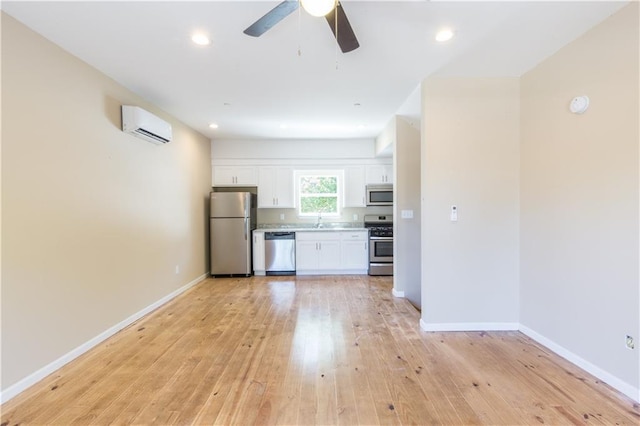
{"x":318,"y":192}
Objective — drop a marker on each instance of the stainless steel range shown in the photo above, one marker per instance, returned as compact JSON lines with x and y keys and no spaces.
{"x":380,"y":243}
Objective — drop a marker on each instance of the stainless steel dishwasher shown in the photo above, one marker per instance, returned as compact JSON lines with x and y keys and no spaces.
{"x":280,"y":253}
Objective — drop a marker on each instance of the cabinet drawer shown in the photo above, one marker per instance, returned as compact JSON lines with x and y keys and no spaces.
{"x":317,"y":236}
{"x":354,"y":236}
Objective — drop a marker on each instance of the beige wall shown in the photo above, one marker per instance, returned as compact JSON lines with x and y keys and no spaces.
{"x":406,"y":166}
{"x":579,"y":185}
{"x":94,"y":220}
{"x":470,"y":137}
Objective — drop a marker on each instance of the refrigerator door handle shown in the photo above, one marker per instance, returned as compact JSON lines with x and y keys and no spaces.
{"x":245,"y":228}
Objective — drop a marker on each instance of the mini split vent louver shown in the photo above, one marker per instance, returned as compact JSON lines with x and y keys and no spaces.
{"x":143,"y":124}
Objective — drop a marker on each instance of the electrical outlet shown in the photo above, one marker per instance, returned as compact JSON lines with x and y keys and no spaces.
{"x":355,"y":217}
{"x":630,"y":342}
{"x":177,"y":269}
{"x":281,"y":216}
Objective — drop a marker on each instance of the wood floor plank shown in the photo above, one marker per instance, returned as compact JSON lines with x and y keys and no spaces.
{"x":313,"y":350}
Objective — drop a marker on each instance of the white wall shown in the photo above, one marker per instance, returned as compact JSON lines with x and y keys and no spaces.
{"x":407,"y":259}
{"x":94,"y":220}
{"x":580,"y":193}
{"x":470,"y":155}
{"x":547,"y":199}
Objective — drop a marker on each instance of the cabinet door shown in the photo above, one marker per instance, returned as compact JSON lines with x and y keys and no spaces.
{"x":388,"y":173}
{"x":223,"y":175}
{"x":275,"y":187}
{"x":329,"y":255}
{"x":258,"y":252}
{"x":266,"y":187}
{"x":232,"y":175}
{"x":354,"y":187}
{"x":285,"y":197}
{"x":380,"y":174}
{"x":306,"y":255}
{"x":355,"y":255}
{"x":355,"y":250}
{"x":245,"y":175}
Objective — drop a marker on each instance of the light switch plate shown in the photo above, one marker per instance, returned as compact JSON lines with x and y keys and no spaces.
{"x":406,"y":214}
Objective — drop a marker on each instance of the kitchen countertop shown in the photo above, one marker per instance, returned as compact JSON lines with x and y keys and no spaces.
{"x":305,"y":227}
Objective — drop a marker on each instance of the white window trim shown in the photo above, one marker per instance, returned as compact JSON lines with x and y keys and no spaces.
{"x":297,"y":174}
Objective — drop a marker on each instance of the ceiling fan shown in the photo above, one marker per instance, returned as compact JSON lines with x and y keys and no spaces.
{"x":339,"y":24}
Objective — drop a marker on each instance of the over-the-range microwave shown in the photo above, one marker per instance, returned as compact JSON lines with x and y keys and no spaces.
{"x":380,"y":195}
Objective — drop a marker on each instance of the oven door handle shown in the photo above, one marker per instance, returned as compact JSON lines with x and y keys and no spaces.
{"x":381,"y":238}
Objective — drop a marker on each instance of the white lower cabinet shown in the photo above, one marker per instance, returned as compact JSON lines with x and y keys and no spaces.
{"x":258,"y":253}
{"x":317,"y":252}
{"x":355,"y":252}
{"x":328,"y":252}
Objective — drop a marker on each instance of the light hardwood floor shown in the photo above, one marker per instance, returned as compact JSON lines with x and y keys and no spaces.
{"x":313,"y":350}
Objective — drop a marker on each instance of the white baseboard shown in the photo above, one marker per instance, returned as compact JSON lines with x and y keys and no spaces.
{"x":20,"y":386}
{"x":613,"y":381}
{"x":397,"y":293}
{"x":469,"y":326}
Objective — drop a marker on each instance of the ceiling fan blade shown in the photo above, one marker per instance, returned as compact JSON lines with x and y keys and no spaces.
{"x":272,"y":17}
{"x":345,"y":37}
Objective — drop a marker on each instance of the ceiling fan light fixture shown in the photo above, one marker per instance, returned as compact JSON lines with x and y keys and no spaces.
{"x":318,"y":7}
{"x":200,"y":39}
{"x":444,"y":34}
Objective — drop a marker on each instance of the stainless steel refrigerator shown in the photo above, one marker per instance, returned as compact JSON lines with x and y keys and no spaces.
{"x":232,"y":218}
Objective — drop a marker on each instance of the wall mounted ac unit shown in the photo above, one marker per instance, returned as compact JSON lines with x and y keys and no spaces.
{"x":145,"y":125}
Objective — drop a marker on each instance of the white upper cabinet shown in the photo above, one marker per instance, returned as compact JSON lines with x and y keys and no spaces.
{"x":380,"y":174}
{"x":234,"y":175}
{"x":354,"y":187}
{"x":275,"y":187}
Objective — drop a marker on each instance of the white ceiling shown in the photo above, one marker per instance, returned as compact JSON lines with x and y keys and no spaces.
{"x":261,"y":88}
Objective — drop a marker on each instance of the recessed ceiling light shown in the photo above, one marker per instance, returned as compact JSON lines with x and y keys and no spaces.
{"x":284,"y":126}
{"x":200,"y":39}
{"x":213,"y":125}
{"x":443,"y":35}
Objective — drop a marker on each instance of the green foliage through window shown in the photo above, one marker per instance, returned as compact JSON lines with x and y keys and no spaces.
{"x":318,"y":195}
